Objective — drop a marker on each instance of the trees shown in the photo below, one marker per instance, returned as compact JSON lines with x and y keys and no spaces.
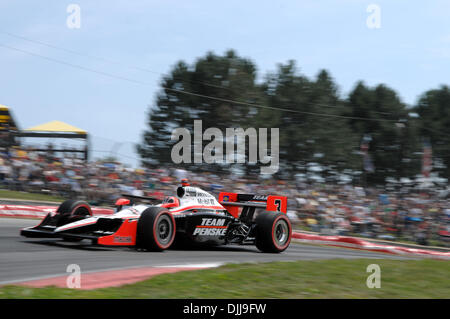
{"x":226,"y":78}
{"x":433,"y":124}
{"x":334,"y":140}
{"x":286,"y":92}
{"x":311,"y":126}
{"x":315,"y":123}
{"x":393,"y":135}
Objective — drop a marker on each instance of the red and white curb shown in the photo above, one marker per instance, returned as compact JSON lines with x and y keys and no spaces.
{"x":28,"y":211}
{"x":110,"y":278}
{"x":357,"y":243}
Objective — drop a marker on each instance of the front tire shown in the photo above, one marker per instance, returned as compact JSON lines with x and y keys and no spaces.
{"x":155,"y":229}
{"x":70,"y":211}
{"x":74,"y":208}
{"x":273,"y":232}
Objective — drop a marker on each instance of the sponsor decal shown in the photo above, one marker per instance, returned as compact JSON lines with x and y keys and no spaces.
{"x":210,"y":231}
{"x":122,"y":239}
{"x":211,"y":227}
{"x":199,"y":194}
{"x":205,"y":201}
{"x":260,"y":197}
{"x":134,"y":210}
{"x":213,"y":222}
{"x":190,"y":191}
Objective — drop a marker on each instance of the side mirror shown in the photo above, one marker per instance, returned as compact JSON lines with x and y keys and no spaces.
{"x":122,"y":202}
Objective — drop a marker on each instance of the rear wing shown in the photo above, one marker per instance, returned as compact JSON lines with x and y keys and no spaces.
{"x":232,"y":202}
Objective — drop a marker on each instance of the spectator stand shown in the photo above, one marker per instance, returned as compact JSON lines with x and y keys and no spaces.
{"x":8,"y":129}
{"x":57,"y":129}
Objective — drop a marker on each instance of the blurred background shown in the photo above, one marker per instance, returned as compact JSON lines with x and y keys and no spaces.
{"x":359,"y":92}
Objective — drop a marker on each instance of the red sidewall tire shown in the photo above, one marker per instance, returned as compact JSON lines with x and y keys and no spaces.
{"x":267,"y":224}
{"x":71,"y":207}
{"x":155,"y":231}
{"x":148,"y":232}
{"x":288,"y":241}
{"x":72,"y":210}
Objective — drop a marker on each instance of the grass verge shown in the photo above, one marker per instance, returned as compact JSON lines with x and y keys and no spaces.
{"x":338,"y":278}
{"x":29,"y":196}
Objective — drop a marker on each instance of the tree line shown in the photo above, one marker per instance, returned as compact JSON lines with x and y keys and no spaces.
{"x":316,"y":124}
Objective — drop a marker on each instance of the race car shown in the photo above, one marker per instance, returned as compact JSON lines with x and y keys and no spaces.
{"x":192,"y":217}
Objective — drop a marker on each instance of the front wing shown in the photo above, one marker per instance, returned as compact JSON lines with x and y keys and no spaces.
{"x":104,"y":232}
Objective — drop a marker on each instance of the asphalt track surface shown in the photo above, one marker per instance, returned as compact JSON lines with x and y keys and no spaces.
{"x":28,"y":259}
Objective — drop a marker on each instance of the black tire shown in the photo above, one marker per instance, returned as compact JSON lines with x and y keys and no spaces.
{"x":73,"y":207}
{"x":70,"y":211}
{"x":155,"y":229}
{"x":273,"y":232}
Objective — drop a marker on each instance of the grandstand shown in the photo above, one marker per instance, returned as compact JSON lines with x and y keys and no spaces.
{"x":8,"y":129}
{"x":11,"y":136}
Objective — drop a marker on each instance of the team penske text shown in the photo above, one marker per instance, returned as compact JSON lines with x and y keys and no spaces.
{"x":210,"y":231}
{"x":211,"y":227}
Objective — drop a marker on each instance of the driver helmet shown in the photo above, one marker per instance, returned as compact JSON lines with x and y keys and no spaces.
{"x":185,"y":182}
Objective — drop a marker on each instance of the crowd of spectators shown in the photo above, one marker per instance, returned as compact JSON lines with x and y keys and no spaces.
{"x":419,"y":216}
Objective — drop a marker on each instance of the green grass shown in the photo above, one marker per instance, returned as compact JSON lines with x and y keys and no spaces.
{"x":29,"y":196}
{"x":337,"y":278}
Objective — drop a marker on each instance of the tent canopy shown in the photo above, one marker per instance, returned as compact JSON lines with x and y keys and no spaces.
{"x":56,"y":126}
{"x":57,"y":129}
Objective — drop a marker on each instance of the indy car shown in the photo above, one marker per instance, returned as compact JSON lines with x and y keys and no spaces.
{"x":192,"y":217}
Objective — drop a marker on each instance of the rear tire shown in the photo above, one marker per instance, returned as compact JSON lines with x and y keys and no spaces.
{"x":155,"y":229}
{"x":273,"y":232}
